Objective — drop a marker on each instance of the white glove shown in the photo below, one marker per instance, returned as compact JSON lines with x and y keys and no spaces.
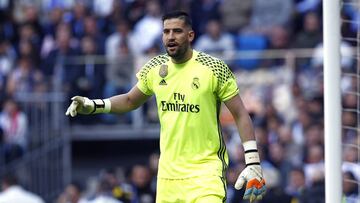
{"x":84,"y":105}
{"x":252,"y":174}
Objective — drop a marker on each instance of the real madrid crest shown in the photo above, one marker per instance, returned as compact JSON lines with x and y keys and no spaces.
{"x":163,"y":72}
{"x":195,"y":83}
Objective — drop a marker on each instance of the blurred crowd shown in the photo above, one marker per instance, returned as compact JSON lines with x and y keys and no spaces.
{"x":93,"y":48}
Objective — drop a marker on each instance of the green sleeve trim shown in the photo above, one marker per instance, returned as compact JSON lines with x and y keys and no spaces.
{"x":143,"y":89}
{"x":231,"y":95}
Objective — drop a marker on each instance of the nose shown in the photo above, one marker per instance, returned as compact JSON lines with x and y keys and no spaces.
{"x":171,"y":35}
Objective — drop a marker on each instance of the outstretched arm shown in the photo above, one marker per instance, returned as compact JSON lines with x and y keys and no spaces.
{"x":117,"y":104}
{"x":252,"y":174}
{"x":127,"y":102}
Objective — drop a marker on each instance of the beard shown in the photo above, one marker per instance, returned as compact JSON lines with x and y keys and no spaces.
{"x":179,"y":53}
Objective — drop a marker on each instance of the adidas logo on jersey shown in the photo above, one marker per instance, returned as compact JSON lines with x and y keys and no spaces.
{"x":162,"y":82}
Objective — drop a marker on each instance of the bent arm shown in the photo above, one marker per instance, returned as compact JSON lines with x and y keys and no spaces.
{"x":241,"y":117}
{"x":127,"y":102}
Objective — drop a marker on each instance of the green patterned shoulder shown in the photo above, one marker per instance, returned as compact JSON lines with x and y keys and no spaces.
{"x":154,"y":62}
{"x":218,"y":67}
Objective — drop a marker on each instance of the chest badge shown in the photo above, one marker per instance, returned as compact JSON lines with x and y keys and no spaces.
{"x":195,"y":83}
{"x":163,"y":72}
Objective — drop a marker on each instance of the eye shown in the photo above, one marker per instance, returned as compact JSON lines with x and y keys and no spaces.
{"x":178,"y":30}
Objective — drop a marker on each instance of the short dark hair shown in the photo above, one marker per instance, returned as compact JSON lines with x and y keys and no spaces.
{"x":178,"y":14}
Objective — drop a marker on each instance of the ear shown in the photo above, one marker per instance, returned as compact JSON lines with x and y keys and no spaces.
{"x":191,"y":35}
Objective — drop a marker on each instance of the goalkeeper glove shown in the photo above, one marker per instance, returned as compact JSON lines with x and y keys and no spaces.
{"x":84,"y":105}
{"x":252,"y":174}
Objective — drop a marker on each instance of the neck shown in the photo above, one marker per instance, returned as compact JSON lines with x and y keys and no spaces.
{"x":187,"y":56}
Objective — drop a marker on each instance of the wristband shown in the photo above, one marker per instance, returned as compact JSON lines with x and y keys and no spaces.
{"x":251,"y":153}
{"x":101,"y":106}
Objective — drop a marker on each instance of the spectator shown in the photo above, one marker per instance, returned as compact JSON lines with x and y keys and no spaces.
{"x":313,"y":135}
{"x":60,"y":71}
{"x":350,"y":162}
{"x":120,"y":190}
{"x":104,"y":193}
{"x":314,"y":165}
{"x":300,"y":125}
{"x":27,"y":49}
{"x":92,"y":29}
{"x":349,"y":119}
{"x":7,"y":25}
{"x":13,"y":192}
{"x":140,"y":180}
{"x":350,"y":154}
{"x":201,"y":12}
{"x":27,"y":32}
{"x":311,"y":34}
{"x":122,"y":36}
{"x":315,"y":193}
{"x":292,"y":150}
{"x":235,"y":14}
{"x":350,"y":188}
{"x":14,"y":124}
{"x":91,"y":81}
{"x":108,"y":23}
{"x":267,"y":14}
{"x":7,"y":58}
{"x":277,"y":159}
{"x":215,"y":40}
{"x":55,"y":17}
{"x":71,"y":194}
{"x":308,"y":37}
{"x":149,"y":28}
{"x":315,"y":154}
{"x":25,"y":78}
{"x":275,"y":192}
{"x":31,"y":19}
{"x":279,"y":38}
{"x":79,"y":12}
{"x":135,"y":11}
{"x":296,"y":182}
{"x":316,"y":109}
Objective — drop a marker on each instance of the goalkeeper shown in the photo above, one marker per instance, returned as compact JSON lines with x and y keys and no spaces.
{"x":189,"y":87}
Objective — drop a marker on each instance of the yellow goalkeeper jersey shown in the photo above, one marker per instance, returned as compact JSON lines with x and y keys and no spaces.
{"x":188,"y":97}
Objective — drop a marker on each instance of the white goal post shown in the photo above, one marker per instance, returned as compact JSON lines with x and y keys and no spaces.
{"x":332,"y":101}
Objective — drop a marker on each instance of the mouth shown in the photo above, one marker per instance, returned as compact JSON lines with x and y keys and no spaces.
{"x":172,"y":46}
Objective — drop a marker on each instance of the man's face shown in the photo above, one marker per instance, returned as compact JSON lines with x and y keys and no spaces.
{"x":177,"y":37}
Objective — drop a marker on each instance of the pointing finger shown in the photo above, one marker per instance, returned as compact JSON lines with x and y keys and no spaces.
{"x":73,"y":107}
